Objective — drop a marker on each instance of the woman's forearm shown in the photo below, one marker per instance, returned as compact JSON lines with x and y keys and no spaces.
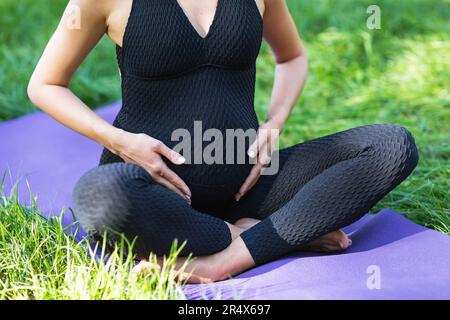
{"x":60,"y":103}
{"x":65,"y":107}
{"x":290,"y":78}
{"x":66,"y":50}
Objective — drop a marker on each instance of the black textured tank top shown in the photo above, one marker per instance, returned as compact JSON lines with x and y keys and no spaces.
{"x":172,"y":76}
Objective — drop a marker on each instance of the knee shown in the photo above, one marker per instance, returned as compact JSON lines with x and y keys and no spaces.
{"x":396,"y":148}
{"x":101,"y":197}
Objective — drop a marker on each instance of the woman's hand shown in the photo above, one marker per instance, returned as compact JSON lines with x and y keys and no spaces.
{"x":261,"y":150}
{"x":148,"y":153}
{"x":281,"y":34}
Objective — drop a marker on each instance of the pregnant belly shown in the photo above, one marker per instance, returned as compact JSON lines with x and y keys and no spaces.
{"x":213,"y":170}
{"x":219,"y":102}
{"x":215,"y":167}
{"x":212,"y":185}
{"x":214,"y":143}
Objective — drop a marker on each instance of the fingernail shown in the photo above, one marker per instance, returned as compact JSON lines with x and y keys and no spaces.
{"x":251,"y":154}
{"x":181,"y":159}
{"x":237,"y":197}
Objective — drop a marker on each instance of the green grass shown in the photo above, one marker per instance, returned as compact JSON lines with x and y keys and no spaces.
{"x":399,"y":74}
{"x":40,"y":261}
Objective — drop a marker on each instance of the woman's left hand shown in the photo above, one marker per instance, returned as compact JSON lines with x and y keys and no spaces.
{"x":261,"y":150}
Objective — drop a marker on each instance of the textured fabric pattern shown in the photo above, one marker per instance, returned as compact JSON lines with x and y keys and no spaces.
{"x":172,"y":77}
{"x":322,"y":185}
{"x":326,"y":184}
{"x":123,"y":198}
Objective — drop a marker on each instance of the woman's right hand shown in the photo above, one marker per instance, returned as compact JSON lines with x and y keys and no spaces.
{"x":49,"y":90}
{"x":148,"y":153}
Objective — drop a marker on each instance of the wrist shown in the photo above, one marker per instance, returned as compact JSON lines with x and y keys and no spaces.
{"x":115,"y":140}
{"x":276,"y":123}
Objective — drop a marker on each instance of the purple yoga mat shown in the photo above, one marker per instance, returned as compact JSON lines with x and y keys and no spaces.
{"x":412,"y":262}
{"x":391,"y":257}
{"x":51,"y":158}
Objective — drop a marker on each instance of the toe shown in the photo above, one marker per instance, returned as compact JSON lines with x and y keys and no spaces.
{"x":344,"y":241}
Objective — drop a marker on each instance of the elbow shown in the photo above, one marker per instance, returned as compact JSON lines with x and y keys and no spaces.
{"x":298,"y":62}
{"x":33,"y":91}
{"x":306,"y":65}
{"x":303,"y":63}
{"x":302,"y":56}
{"x":299,"y":56}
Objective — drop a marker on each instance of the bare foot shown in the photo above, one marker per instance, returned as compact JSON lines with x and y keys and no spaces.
{"x":145,"y":266}
{"x":331,"y":242}
{"x":201,"y":269}
{"x":205,"y":269}
{"x":235,"y":258}
{"x":219,"y":266}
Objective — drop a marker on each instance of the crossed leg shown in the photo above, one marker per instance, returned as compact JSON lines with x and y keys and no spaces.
{"x":322,"y":185}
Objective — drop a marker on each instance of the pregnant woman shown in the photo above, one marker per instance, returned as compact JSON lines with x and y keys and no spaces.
{"x":184,"y":62}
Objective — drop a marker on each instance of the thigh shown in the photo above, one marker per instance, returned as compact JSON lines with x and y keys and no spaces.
{"x":298,"y":165}
{"x":122,"y":198}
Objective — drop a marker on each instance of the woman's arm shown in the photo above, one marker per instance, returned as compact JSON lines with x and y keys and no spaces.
{"x":48,"y":89}
{"x":291,"y":71}
{"x":291,"y":68}
{"x":66,"y":50}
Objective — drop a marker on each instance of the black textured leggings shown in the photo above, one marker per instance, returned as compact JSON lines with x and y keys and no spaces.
{"x":322,"y":185}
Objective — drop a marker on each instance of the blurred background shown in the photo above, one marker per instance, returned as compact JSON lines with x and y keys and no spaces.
{"x":399,"y":74}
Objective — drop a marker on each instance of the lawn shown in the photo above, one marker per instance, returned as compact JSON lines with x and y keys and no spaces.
{"x":399,"y":74}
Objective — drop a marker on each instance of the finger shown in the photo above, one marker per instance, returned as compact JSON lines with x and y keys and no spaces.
{"x":166,"y":183}
{"x":253,"y":149}
{"x":273,"y":139}
{"x":173,"y":178}
{"x":251,"y":180}
{"x":162,"y":174}
{"x":261,"y":139}
{"x":264,"y":155}
{"x":170,"y":154}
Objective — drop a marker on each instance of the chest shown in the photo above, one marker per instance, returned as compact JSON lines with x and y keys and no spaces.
{"x":161,"y":39}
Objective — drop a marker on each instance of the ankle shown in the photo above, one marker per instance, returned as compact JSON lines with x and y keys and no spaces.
{"x":235,"y":231}
{"x":233,"y":260}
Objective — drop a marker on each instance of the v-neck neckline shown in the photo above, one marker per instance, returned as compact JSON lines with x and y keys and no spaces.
{"x":183,"y":12}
